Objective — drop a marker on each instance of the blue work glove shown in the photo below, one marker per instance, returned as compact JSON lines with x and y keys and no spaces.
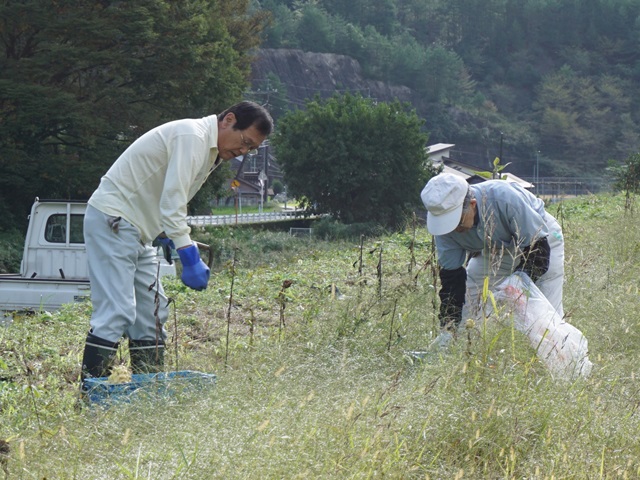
{"x":195,"y":273}
{"x":167,"y":247}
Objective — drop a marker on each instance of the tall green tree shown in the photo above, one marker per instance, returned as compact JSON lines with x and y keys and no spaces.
{"x":80,"y":80}
{"x":354,"y":158}
{"x":314,"y":29}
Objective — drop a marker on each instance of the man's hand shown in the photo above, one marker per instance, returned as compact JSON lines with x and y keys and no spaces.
{"x":167,"y":247}
{"x":535,"y":259}
{"x":195,"y":273}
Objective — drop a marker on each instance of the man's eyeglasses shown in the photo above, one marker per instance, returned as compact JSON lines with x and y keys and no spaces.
{"x":250,"y":148}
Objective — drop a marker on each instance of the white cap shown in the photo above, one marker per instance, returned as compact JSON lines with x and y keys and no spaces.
{"x":443,"y":197}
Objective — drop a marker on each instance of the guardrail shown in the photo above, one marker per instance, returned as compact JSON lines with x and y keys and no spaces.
{"x":264,"y":217}
{"x":568,"y":186}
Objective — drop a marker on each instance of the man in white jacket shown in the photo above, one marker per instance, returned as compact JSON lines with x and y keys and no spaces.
{"x":144,"y":195}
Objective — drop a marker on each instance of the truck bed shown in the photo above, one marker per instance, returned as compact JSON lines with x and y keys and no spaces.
{"x":19,"y":293}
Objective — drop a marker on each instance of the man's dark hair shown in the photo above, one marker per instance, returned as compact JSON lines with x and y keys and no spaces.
{"x":250,"y":113}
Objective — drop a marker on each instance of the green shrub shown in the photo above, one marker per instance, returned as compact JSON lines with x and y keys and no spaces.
{"x":277,"y":187}
{"x":11,"y":248}
{"x":254,"y":247}
{"x":330,"y":229}
{"x":626,"y":176}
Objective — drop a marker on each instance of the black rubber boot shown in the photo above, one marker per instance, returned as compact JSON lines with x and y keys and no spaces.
{"x":99,"y":356}
{"x":147,"y":356}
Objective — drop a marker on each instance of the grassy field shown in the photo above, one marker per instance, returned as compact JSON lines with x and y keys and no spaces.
{"x":313,"y":380}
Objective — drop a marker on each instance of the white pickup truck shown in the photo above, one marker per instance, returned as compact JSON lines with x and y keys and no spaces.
{"x":54,"y":263}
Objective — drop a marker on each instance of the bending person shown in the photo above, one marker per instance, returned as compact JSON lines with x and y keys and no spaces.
{"x":489,"y":230}
{"x":144,"y":195}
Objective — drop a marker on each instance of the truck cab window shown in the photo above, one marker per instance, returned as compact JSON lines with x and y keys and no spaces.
{"x":56,"y":229}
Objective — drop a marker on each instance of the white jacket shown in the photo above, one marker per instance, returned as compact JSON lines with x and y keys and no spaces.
{"x":151,"y":183}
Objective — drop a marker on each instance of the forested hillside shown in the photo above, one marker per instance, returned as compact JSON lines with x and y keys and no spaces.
{"x":80,"y":80}
{"x":559,"y":77}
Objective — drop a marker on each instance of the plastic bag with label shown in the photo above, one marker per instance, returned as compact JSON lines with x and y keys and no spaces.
{"x":559,"y":345}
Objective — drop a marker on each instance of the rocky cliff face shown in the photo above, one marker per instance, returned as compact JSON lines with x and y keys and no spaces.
{"x":305,"y":74}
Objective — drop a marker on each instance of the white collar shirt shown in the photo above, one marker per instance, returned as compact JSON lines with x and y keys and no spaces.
{"x":150,"y":184}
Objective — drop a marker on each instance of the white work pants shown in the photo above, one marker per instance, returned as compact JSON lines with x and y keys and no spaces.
{"x":121,"y":270}
{"x":502,"y":264}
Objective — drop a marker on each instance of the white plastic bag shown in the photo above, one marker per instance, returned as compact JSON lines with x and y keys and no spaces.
{"x":559,"y":345}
